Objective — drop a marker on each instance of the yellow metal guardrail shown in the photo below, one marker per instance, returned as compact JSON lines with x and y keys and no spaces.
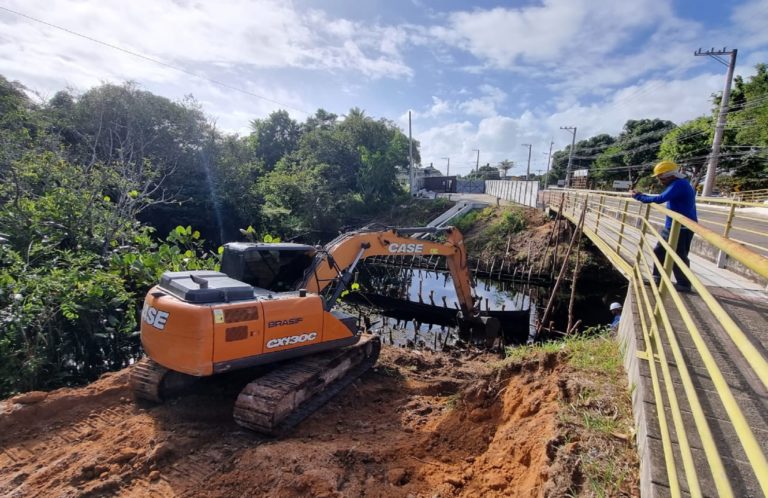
{"x":759,"y":195}
{"x":625,"y":231}
{"x":740,"y":221}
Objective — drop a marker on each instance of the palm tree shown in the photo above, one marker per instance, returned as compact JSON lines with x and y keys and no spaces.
{"x":506,"y":165}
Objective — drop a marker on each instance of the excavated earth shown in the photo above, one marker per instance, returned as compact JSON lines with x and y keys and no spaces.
{"x":419,"y":424}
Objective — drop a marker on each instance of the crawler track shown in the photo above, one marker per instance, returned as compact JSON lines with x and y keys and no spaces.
{"x":147,"y":380}
{"x":279,"y":400}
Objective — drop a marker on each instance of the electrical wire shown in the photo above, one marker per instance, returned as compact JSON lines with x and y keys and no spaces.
{"x":156,"y":61}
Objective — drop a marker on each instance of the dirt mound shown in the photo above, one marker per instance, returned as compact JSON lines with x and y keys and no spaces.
{"x":419,"y":424}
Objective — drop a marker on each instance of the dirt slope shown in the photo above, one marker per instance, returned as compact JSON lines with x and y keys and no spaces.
{"x":420,"y":424}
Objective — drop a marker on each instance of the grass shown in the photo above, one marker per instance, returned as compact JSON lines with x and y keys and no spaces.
{"x":593,"y":354}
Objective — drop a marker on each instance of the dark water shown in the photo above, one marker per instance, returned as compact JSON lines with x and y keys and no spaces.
{"x":385,"y":294}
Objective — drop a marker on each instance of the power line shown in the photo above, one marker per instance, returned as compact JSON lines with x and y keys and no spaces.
{"x":156,"y":61}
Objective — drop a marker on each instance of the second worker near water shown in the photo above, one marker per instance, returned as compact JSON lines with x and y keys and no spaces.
{"x":681,"y":198}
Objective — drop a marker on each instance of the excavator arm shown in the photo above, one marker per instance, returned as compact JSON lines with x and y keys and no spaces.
{"x":336,"y":262}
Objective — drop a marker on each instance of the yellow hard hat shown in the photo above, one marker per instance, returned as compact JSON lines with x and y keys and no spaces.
{"x":664,"y":167}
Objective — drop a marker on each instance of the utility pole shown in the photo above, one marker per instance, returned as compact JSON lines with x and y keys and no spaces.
{"x":572,"y":129}
{"x":477,"y":164}
{"x":528,"y":171}
{"x":410,"y":154}
{"x":448,"y":168}
{"x":714,"y":158}
{"x":549,"y":160}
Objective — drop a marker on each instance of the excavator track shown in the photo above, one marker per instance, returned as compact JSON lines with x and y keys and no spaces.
{"x":147,"y":379}
{"x":154,"y":382}
{"x":278,"y":401}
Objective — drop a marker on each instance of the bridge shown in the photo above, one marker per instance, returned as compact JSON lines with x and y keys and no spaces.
{"x":697,"y":362}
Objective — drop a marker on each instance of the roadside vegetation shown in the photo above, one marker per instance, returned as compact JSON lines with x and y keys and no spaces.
{"x":595,"y":425}
{"x":105,"y":190}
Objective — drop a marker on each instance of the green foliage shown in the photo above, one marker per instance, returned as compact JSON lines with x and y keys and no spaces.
{"x":90,"y":179}
{"x":687,"y":145}
{"x":466,"y":221}
{"x":511,"y":220}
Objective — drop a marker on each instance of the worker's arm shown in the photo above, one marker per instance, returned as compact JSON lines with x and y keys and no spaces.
{"x":669,"y":193}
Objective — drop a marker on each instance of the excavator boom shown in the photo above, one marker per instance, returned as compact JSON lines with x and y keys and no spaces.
{"x":344,"y":252}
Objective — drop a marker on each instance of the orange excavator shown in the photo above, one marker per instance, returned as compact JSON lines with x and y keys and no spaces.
{"x":274,"y":303}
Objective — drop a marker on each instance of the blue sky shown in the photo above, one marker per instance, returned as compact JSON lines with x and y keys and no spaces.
{"x":483,"y":75}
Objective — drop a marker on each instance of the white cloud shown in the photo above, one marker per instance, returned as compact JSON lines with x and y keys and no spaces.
{"x":501,"y":137}
{"x":485,"y":104}
{"x":199,"y":36}
{"x":543,"y":33}
{"x":752,"y":18}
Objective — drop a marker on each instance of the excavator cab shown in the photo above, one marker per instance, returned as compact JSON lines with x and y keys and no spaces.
{"x":274,"y":267}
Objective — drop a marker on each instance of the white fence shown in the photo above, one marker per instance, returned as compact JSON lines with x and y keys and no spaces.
{"x":521,"y":192}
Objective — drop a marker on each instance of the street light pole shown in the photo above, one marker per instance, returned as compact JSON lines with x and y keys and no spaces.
{"x":572,"y":129}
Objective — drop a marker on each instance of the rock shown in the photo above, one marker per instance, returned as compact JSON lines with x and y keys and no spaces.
{"x":398,"y":476}
{"x":454,"y":481}
{"x":160,"y":451}
{"x":154,"y":475}
{"x":496,"y":482}
{"x":30,"y":398}
{"x":125,"y":455}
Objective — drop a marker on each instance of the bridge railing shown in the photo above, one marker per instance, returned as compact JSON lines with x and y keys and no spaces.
{"x":626,"y":232}
{"x":737,"y":220}
{"x":758,"y":195}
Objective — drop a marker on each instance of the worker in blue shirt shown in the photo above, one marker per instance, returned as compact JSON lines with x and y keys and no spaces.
{"x":616,"y":312}
{"x":681,"y":198}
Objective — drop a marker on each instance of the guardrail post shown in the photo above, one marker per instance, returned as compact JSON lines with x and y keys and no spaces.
{"x":721,"y":256}
{"x":621,"y":228}
{"x":643,"y":220}
{"x":599,"y":211}
{"x":674,"y":234}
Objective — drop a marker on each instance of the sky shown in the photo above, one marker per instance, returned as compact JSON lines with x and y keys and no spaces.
{"x":485,"y":75}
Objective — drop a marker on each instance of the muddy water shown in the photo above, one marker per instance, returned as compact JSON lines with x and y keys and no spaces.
{"x":386,"y":295}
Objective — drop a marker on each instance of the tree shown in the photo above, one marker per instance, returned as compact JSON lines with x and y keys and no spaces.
{"x":585,"y":152}
{"x":275,"y":137}
{"x":688,"y":145}
{"x":506,"y":165}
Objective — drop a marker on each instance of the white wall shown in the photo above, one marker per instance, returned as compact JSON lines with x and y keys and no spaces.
{"x":521,"y":192}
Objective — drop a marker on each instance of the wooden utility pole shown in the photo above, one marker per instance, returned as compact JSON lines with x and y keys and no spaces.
{"x":714,"y":158}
